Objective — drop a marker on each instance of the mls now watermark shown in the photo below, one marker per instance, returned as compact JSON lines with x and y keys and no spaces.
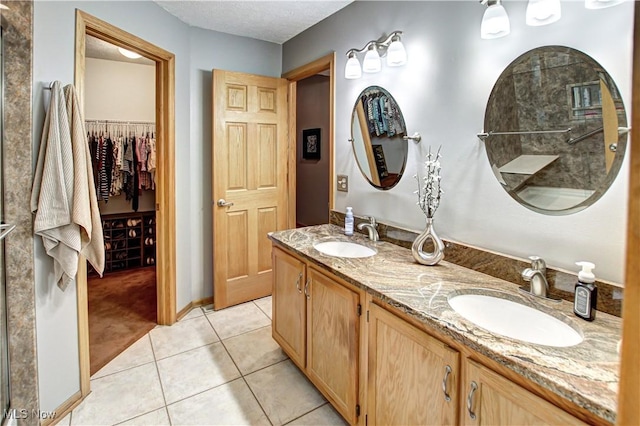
{"x":21,"y":414}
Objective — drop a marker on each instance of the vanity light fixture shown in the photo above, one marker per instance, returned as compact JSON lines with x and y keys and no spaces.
{"x":495,"y":22}
{"x":129,"y":54}
{"x":390,"y":47}
{"x":543,"y":12}
{"x":601,"y":4}
{"x":372,"y":62}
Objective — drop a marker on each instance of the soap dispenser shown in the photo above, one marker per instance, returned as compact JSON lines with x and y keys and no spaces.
{"x":348,"y":222}
{"x":586,"y":292}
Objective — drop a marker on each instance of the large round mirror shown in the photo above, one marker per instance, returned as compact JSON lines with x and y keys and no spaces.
{"x":377,"y":130}
{"x":555,"y":130}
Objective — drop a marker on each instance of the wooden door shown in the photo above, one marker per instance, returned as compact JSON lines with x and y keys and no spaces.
{"x":494,"y":400}
{"x":412,"y":377}
{"x":289,"y":305}
{"x":249,"y":182}
{"x":333,"y":330}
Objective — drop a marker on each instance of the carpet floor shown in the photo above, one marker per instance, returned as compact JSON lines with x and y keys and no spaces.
{"x":122,"y":309}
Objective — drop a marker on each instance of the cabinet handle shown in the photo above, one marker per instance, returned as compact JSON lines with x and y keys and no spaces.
{"x":474,"y":387}
{"x":306,"y":290}
{"x":447,"y":371}
{"x":298,"y":283}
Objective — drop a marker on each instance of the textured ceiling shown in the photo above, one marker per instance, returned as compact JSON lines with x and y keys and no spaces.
{"x":99,"y":49}
{"x":274,"y":21}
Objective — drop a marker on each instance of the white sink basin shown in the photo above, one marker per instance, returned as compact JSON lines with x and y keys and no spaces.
{"x":344,"y":249}
{"x":514,"y":320}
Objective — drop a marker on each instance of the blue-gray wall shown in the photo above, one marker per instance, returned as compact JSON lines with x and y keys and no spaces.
{"x":443,"y":91}
{"x":197,"y":52}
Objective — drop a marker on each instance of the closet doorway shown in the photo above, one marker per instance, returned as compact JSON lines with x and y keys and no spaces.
{"x":119,"y":111}
{"x":311,"y":188}
{"x":131,"y":236}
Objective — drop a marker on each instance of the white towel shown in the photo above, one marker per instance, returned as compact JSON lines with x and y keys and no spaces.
{"x":52,"y":193}
{"x":85,"y":203}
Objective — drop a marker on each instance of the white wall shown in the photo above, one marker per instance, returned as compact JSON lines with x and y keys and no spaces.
{"x":213,"y":50}
{"x":123,"y":91}
{"x":196,"y":52}
{"x":443,"y":91}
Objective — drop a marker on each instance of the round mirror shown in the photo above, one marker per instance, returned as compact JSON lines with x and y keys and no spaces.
{"x":377,"y":130}
{"x":555,"y":130}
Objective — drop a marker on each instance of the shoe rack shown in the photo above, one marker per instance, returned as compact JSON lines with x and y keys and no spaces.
{"x":129,"y":241}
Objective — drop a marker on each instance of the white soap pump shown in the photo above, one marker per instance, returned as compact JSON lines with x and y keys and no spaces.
{"x":586,"y":292}
{"x":348,"y":222}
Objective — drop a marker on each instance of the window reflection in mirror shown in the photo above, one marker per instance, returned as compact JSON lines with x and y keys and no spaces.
{"x":562,"y":125}
{"x":377,"y":131}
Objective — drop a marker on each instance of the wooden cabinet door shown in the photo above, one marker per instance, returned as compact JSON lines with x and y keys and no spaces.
{"x":494,"y":400}
{"x":289,"y":305}
{"x":412,"y":377}
{"x":333,"y":330}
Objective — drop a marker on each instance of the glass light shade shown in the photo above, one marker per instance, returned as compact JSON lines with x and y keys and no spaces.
{"x":371,"y":61}
{"x":352,"y":70}
{"x":128,"y":53}
{"x":396,"y":54}
{"x":601,"y":4}
{"x":495,"y":22}
{"x":543,"y":12}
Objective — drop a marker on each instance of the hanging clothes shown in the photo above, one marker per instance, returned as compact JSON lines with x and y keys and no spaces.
{"x":122,"y":162}
{"x":382,"y":113}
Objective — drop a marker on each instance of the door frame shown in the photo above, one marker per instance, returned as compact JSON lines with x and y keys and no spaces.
{"x":165,"y":186}
{"x":327,"y":62}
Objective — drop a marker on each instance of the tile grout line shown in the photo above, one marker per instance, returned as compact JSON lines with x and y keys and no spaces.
{"x":245,"y":381}
{"x":302,"y":415}
{"x":160,"y":380}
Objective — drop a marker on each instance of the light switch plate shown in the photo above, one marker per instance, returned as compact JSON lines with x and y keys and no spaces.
{"x":342,"y":183}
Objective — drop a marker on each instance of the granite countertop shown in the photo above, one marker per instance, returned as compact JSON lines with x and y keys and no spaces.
{"x":586,"y":374}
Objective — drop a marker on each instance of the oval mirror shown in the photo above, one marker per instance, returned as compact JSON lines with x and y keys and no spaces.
{"x":555,"y":130}
{"x":377,"y":130}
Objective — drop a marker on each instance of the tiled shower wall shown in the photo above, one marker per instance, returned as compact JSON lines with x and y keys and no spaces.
{"x":17,"y":123}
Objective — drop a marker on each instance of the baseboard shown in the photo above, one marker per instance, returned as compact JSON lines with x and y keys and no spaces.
{"x":203,"y":302}
{"x":194,"y":304}
{"x":63,"y":410}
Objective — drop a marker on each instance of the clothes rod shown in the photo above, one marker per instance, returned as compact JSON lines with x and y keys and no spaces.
{"x":484,"y":136}
{"x":144,"y":123}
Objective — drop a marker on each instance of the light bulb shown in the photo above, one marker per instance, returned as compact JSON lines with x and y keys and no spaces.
{"x":396,"y":54}
{"x":495,"y":22}
{"x":601,"y":4}
{"x":352,"y":69}
{"x":371,"y":61}
{"x":128,"y":53}
{"x":543,"y":12}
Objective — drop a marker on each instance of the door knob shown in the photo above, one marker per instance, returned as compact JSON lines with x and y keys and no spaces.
{"x":223,"y":203}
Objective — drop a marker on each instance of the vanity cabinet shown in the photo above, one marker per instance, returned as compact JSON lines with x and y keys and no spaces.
{"x":492,"y":399}
{"x":412,"y":377}
{"x":333,"y":329}
{"x":316,"y":321}
{"x":289,"y":308}
{"x":381,"y":367}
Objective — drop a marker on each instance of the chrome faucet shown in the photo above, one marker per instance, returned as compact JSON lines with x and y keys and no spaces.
{"x":371,"y":227}
{"x":536,"y":276}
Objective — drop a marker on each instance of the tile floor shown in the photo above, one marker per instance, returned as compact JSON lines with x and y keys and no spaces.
{"x":210,"y":368}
